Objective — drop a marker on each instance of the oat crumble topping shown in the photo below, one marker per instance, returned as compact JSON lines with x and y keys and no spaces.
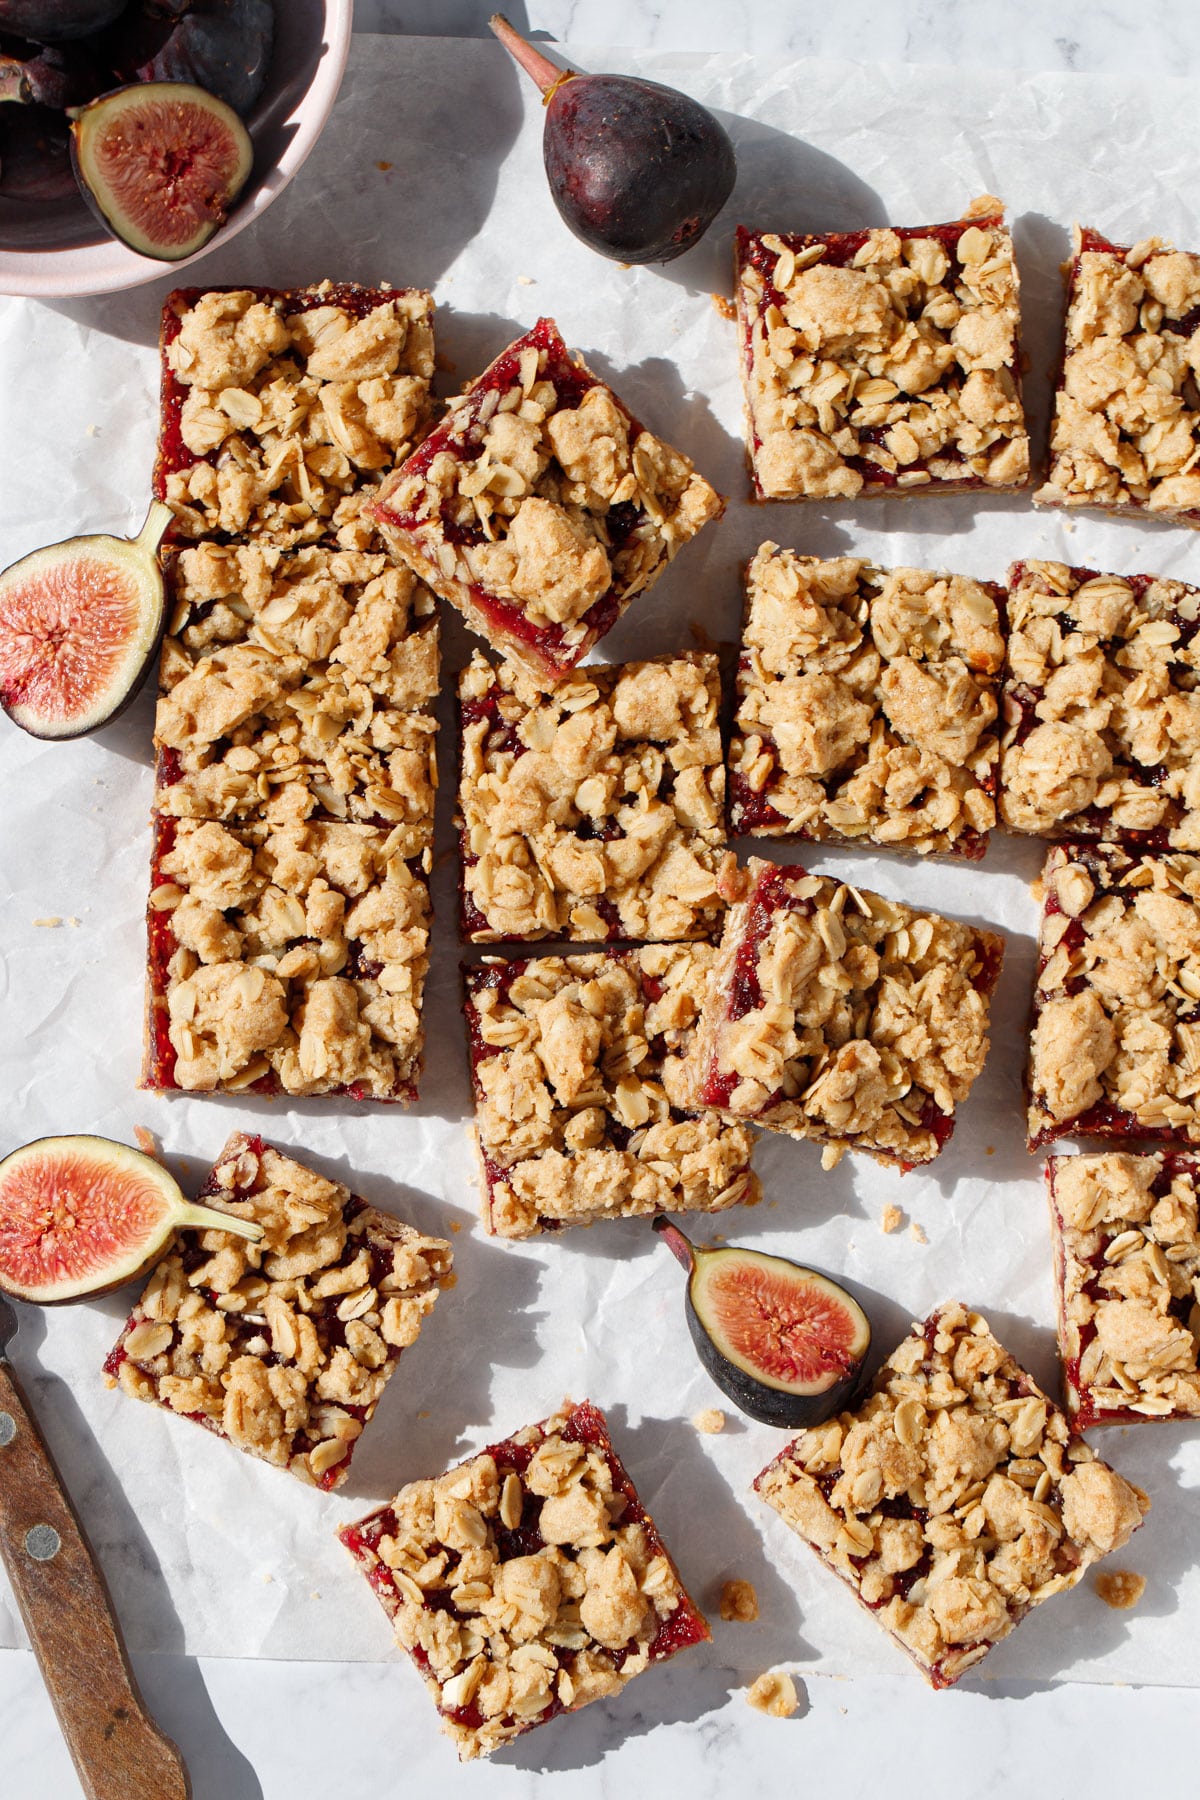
{"x":955,"y":1498}
{"x":1116,"y":1041}
{"x":836,"y":1015}
{"x":1120,"y":1588}
{"x":882,"y":361}
{"x":1126,"y":430}
{"x":1127,"y":1256}
{"x":526,"y":1582}
{"x":773,"y":1693}
{"x":596,"y":810}
{"x":739,"y":1602}
{"x":579,"y":1111}
{"x":867,"y":701}
{"x":283,"y":1347}
{"x":709,"y":1420}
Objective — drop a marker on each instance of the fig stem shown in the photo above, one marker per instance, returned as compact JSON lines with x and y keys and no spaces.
{"x":679,"y":1246}
{"x":548,"y":75}
{"x":155,"y":528}
{"x":207,"y":1218}
{"x":13,"y":83}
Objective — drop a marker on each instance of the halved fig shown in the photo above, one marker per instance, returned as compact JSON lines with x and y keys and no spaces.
{"x":160,"y":163}
{"x":785,"y":1343}
{"x":79,"y":625}
{"x":80,"y":1216}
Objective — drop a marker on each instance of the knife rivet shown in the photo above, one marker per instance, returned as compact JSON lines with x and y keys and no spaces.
{"x":42,"y":1542}
{"x":8,"y":1428}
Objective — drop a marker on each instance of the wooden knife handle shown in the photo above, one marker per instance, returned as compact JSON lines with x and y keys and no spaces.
{"x":119,"y":1752}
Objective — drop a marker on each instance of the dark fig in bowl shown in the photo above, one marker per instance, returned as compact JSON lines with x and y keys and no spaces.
{"x":51,"y":21}
{"x":35,"y":156}
{"x":637,"y":170}
{"x":54,"y":75}
{"x":160,"y":164}
{"x":785,"y":1343}
{"x":223,"y":46}
{"x":80,"y":1216}
{"x":79,"y":624}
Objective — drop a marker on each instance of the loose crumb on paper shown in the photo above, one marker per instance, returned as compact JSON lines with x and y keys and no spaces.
{"x":917,"y":1233}
{"x":739,"y":1602}
{"x":891,"y":1219}
{"x":710,"y":1420}
{"x":774,"y":1693}
{"x":724,"y":305}
{"x":383,"y":167}
{"x":525,"y":281}
{"x":1120,"y":1588}
{"x":50,"y":922}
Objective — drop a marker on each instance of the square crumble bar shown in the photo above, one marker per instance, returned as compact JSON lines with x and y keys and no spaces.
{"x":1126,"y":430}
{"x":576,"y":1064}
{"x":1115,"y":1049}
{"x":282,"y":408}
{"x":597,"y":810}
{"x":955,"y":1498}
{"x":1101,"y":708}
{"x":836,"y":1015}
{"x":540,"y":506}
{"x":1127,"y":1261}
{"x":526,"y":1582}
{"x":883,"y":361}
{"x":866,"y":705}
{"x":282,"y":1347}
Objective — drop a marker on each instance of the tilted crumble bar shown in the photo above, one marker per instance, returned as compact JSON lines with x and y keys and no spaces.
{"x":298,"y":685}
{"x":1126,"y":430}
{"x":837,"y":1015}
{"x":954,"y":1499}
{"x":596,"y":810}
{"x":526,"y":1582}
{"x":282,"y":409}
{"x":1116,"y":1037}
{"x":576,"y":1064}
{"x":285,"y":958}
{"x":540,"y":506}
{"x":1127,"y":1257}
{"x":883,"y":361}
{"x":866,"y":705}
{"x":282,"y":1347}
{"x":1101,"y":707}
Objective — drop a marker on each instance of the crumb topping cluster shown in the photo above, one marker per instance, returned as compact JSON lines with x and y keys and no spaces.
{"x":837,"y":1015}
{"x":1126,"y":430}
{"x":579,"y":1106}
{"x":882,"y":360}
{"x":526,"y":1582}
{"x":1128,"y":1251}
{"x":1102,"y":712}
{"x":292,"y":404}
{"x":1116,"y":1043}
{"x":596,"y":810}
{"x":282,"y":1346}
{"x":955,"y":1498}
{"x":866,"y":705}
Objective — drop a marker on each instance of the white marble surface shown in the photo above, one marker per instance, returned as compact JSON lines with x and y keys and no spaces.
{"x":266,"y":1731}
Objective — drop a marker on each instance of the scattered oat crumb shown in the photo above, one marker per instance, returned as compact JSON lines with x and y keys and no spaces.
{"x":739,"y":1601}
{"x":917,"y":1233}
{"x":383,"y":167}
{"x":268,"y":1577}
{"x":832,"y":1155}
{"x":456,"y":1225}
{"x":50,"y":922}
{"x":93,"y":431}
{"x":71,"y":920}
{"x":1120,"y":1588}
{"x":315,"y":1595}
{"x":990,"y":1150}
{"x":423,"y":1415}
{"x":711,"y":1419}
{"x":891,"y":1219}
{"x":1037,"y":888}
{"x":146,"y":1141}
{"x":774,"y":1693}
{"x":1068,"y":525}
{"x":724,"y":305}
{"x":525,"y":281}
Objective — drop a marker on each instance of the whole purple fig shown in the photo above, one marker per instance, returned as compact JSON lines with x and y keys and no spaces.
{"x":637,"y":170}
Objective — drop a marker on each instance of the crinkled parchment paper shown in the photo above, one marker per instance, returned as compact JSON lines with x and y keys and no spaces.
{"x":430,"y":173}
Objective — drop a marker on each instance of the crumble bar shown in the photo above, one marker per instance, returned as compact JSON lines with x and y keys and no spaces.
{"x":837,"y":1015}
{"x":955,"y":1498}
{"x":526,"y":1582}
{"x":1127,"y":1259}
{"x":576,"y":1064}
{"x":883,"y":361}
{"x":1126,"y":430}
{"x":540,"y":506}
{"x":285,"y":959}
{"x":282,"y":1347}
{"x":596,"y":810}
{"x":1115,"y":1050}
{"x":1102,"y":714}
{"x":866,"y":705}
{"x":281,"y":409}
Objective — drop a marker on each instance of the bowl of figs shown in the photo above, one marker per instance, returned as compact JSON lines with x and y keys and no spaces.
{"x":136,"y":135}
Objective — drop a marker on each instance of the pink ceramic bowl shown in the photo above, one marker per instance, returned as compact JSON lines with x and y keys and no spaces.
{"x":57,"y":250}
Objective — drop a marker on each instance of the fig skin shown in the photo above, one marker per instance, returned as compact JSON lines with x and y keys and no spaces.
{"x":35,"y":156}
{"x":53,"y":21}
{"x":52,"y":75}
{"x":223,"y":46}
{"x":637,"y":170}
